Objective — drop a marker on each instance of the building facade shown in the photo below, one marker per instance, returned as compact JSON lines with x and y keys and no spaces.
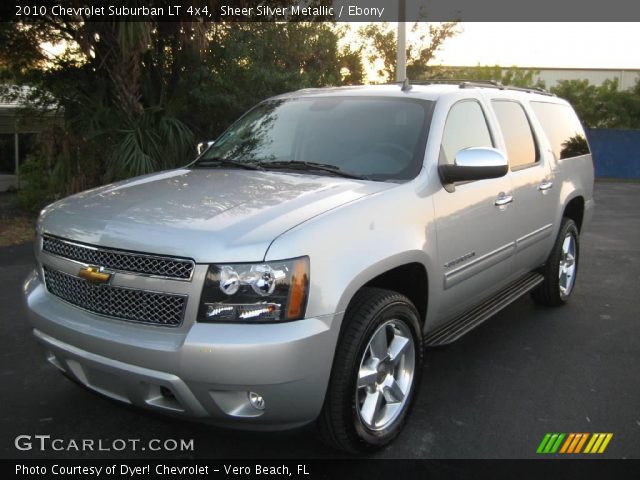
{"x":19,"y":130}
{"x":596,"y":76}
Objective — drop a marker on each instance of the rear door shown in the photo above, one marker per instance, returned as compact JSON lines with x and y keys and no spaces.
{"x":474,"y":222}
{"x":534,"y":201}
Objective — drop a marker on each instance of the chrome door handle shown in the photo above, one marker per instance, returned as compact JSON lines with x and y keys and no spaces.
{"x":503,"y":200}
{"x":546,"y":185}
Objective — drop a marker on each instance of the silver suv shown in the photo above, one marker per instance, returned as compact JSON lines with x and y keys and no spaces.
{"x":294,"y":271}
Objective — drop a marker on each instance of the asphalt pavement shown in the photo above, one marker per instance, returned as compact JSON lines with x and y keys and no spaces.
{"x":493,"y":394}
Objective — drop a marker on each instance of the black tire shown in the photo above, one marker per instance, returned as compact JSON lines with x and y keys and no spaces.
{"x":549,"y":292}
{"x":340,"y":424}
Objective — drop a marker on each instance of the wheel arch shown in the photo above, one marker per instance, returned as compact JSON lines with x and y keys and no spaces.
{"x":574,"y":209}
{"x":407,"y":274}
{"x":410,"y":280}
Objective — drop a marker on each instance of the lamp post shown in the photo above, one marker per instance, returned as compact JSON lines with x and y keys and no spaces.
{"x":401,"y":44}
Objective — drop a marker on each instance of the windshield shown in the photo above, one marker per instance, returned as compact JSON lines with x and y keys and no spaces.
{"x":363,"y":137}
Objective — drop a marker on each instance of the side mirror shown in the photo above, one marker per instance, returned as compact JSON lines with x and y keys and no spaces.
{"x":202,"y":146}
{"x":475,"y":163}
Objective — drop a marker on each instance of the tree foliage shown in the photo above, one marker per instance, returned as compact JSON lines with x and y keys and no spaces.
{"x":379,"y":44}
{"x":517,"y":77}
{"x":598,"y":106}
{"x":602,"y":106}
{"x":248,"y":62}
{"x":137,"y":95}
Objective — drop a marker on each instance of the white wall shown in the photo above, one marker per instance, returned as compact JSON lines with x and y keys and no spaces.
{"x":551,"y":76}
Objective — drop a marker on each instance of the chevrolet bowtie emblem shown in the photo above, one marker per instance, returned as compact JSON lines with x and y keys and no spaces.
{"x":93,"y":274}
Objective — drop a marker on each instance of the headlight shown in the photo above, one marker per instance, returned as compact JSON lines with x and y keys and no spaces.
{"x":263,"y":292}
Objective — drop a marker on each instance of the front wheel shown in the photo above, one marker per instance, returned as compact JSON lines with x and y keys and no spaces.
{"x":561,"y":268}
{"x":375,"y":374}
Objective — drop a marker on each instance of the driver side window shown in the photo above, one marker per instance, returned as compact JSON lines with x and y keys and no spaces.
{"x":466,"y":126}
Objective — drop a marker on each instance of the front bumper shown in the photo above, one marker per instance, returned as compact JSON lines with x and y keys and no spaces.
{"x":205,"y":371}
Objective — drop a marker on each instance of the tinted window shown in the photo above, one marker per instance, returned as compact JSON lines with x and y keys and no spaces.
{"x":380,"y":138}
{"x":466,"y":127}
{"x":521,"y":147}
{"x":563,"y":129}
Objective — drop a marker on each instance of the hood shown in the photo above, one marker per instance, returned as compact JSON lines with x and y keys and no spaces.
{"x":210,"y":215}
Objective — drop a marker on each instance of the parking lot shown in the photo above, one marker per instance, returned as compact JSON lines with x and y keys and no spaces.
{"x":493,"y":394}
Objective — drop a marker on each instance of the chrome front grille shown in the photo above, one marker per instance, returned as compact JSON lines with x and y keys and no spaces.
{"x":119,"y":260}
{"x":123,"y":303}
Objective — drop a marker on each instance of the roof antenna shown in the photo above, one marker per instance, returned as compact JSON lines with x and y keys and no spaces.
{"x":406,"y":86}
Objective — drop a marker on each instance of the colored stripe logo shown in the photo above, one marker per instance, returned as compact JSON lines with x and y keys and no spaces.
{"x":574,"y":443}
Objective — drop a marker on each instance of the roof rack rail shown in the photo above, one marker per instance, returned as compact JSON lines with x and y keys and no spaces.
{"x":468,"y":83}
{"x":458,"y":81}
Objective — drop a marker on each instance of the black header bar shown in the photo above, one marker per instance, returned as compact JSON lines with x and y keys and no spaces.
{"x":322,"y":10}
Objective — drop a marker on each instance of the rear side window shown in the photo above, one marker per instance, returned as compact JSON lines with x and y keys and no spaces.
{"x":516,"y":129}
{"x":465,"y":127}
{"x":562,"y":128}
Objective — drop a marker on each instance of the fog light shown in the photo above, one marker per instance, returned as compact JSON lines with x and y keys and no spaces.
{"x":256,"y":401}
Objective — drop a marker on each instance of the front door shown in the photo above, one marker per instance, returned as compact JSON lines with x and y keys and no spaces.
{"x":474,"y":222}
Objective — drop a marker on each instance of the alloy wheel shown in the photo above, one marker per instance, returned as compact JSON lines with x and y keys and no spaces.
{"x":567,"y":270}
{"x":385,"y":376}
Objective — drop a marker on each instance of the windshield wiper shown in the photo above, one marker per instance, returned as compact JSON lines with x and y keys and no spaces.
{"x":303,"y":165}
{"x":225,"y":162}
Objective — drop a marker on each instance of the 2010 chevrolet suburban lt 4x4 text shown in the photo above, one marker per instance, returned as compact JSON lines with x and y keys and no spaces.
{"x":294,"y":271}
